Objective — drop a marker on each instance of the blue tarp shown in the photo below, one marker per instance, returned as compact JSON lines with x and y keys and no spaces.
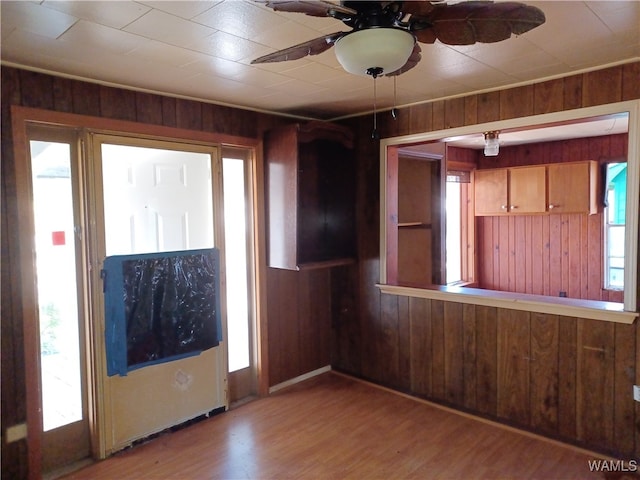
{"x":160,"y":307}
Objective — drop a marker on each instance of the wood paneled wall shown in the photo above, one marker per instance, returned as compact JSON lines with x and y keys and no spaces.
{"x":564,"y":377}
{"x":387,"y":339}
{"x":547,"y":254}
{"x":294,"y":334}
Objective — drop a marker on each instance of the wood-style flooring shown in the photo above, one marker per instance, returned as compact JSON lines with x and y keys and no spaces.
{"x":333,"y":427}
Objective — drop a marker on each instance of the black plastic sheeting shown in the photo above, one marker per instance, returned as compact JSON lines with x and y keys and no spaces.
{"x":160,"y":307}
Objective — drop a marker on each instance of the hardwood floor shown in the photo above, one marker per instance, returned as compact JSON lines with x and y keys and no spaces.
{"x":335,"y":427}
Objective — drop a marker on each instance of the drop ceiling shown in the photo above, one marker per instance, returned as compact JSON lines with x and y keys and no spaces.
{"x":202,"y":50}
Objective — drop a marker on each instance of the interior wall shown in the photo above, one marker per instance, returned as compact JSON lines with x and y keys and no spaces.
{"x":568,"y":378}
{"x":31,"y":89}
{"x":547,"y":254}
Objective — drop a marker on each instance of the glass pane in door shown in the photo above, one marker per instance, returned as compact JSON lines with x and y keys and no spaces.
{"x":156,"y":200}
{"x":235,"y":231}
{"x":56,"y":281}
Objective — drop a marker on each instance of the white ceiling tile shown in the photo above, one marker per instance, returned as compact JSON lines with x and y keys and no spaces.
{"x":168,"y":28}
{"x":183,"y":9}
{"x":313,"y":73}
{"x":109,"y":13}
{"x":164,"y":54}
{"x":240,"y":19}
{"x":229,"y":47}
{"x":297,"y":88}
{"x":34,"y":18}
{"x":281,"y":37}
{"x":102,"y":38}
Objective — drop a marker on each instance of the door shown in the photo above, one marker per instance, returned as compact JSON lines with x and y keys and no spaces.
{"x":491,"y":191}
{"x":157,"y":197}
{"x":58,"y":248}
{"x":527,"y":190}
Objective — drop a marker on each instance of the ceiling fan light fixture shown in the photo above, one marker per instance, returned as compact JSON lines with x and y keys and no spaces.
{"x":363,"y":51}
{"x":491,"y":144}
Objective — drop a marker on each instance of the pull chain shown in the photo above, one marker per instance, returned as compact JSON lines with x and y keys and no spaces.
{"x":374,"y":134}
{"x":394,"y":112}
{"x":375,"y":72}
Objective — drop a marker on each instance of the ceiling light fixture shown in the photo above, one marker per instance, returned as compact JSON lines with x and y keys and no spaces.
{"x":491,"y":144}
{"x":374,"y":51}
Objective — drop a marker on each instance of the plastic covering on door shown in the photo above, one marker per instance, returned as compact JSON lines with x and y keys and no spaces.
{"x":160,"y":307}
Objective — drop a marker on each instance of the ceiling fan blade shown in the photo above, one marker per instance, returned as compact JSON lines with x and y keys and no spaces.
{"x":412,"y":61}
{"x":317,"y":8}
{"x":476,"y":21}
{"x":311,"y":47}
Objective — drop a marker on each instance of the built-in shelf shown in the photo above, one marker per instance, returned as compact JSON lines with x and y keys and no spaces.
{"x":414,"y":225}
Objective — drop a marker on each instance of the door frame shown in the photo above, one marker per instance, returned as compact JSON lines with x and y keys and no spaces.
{"x":21,"y":117}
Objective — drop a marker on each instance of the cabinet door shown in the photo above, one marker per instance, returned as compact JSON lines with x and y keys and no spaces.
{"x":572,"y":187}
{"x":527,"y":190}
{"x":491,"y":191}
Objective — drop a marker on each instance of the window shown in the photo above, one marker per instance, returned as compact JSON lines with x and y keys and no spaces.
{"x":458,"y":268}
{"x":516,"y":253}
{"x":614,"y":225}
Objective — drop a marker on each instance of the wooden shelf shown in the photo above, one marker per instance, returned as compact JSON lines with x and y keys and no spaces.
{"x":414,"y":225}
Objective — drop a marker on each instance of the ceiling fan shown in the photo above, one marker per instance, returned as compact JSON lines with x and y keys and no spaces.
{"x":385,"y":36}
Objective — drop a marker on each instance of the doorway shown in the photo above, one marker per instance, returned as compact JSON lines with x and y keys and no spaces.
{"x":77,"y":176}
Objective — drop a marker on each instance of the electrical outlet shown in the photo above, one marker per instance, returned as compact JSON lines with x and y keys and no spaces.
{"x":636,"y":393}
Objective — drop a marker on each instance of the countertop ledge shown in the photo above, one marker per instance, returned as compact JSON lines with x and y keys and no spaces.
{"x":569,"y":307}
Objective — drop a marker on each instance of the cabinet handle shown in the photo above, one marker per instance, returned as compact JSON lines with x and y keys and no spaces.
{"x":551,"y":206}
{"x":513,"y":207}
{"x":503,"y":207}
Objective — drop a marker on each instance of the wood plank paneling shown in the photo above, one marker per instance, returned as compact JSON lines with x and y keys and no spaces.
{"x":454,"y":350}
{"x":572,"y":92}
{"x":516,"y":102}
{"x":346,"y":338}
{"x":386,"y":342}
{"x":470,"y":357}
{"x":547,"y":96}
{"x":567,"y":376}
{"x":514,"y":357}
{"x":595,"y":382}
{"x":544,"y":372}
{"x":117,"y":103}
{"x":593,"y":92}
{"x":624,"y":378}
{"x":148,"y":108}
{"x":487,"y":359}
{"x":548,"y":254}
{"x":438,"y":350}
{"x":62,"y":94}
{"x":488,"y":107}
{"x":454,"y":112}
{"x":421,"y":354}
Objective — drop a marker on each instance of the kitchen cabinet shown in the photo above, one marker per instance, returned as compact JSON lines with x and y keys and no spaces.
{"x":551,"y":188}
{"x":310,"y":191}
{"x":573,"y":187}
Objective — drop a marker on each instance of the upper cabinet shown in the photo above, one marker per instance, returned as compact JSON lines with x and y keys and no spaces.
{"x":553,"y":188}
{"x":573,"y":187}
{"x":311,"y":183}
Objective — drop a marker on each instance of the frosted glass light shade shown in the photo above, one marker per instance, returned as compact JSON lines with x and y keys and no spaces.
{"x":491,"y":144}
{"x":386,"y":48}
